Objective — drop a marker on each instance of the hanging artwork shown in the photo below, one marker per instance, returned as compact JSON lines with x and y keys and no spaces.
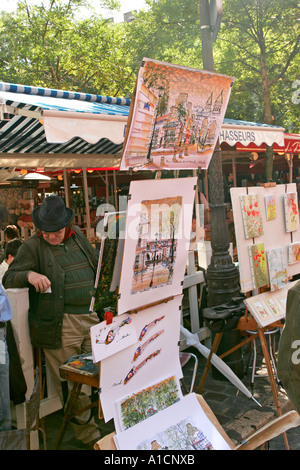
{"x":258,"y":265}
{"x":157,"y":241}
{"x":182,"y":426}
{"x":175,"y":117}
{"x":155,"y":354}
{"x":291,"y":211}
{"x":277,"y":268}
{"x":139,"y":406}
{"x":294,"y":253}
{"x":270,"y":203}
{"x":251,"y":213}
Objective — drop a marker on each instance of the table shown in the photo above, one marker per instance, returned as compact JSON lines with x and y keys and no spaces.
{"x":79,"y":378}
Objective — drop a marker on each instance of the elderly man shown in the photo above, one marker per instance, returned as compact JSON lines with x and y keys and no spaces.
{"x":58,"y":264}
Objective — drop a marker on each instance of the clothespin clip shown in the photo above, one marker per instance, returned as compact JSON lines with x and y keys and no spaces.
{"x":108,"y":316}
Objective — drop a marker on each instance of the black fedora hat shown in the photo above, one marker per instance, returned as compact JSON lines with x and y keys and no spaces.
{"x":52,"y":215}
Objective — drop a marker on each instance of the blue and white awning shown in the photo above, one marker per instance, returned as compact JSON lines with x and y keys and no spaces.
{"x":66,"y":114}
{"x":54,"y":128}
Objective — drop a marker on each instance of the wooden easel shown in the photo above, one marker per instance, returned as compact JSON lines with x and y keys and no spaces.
{"x":247,"y":323}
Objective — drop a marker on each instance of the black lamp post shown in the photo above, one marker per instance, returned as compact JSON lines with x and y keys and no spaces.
{"x":222,"y":274}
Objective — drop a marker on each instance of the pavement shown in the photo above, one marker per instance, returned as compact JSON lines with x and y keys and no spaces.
{"x":239,"y":415}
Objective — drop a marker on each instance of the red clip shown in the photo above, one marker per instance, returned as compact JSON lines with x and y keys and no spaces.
{"x":108,"y":316}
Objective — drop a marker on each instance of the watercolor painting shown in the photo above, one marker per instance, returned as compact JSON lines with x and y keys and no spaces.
{"x":147,"y":402}
{"x":157,"y":240}
{"x":182,"y":426}
{"x":252,"y":218}
{"x":176,"y":116}
{"x":258,"y":263}
{"x":294,"y":253}
{"x":277,"y":268}
{"x":112,"y":338}
{"x":270,"y":203}
{"x":154,"y":355}
{"x":268,"y":307}
{"x":291,"y":211}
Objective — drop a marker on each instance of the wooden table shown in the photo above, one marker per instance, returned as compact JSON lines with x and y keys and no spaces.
{"x":79,"y":378}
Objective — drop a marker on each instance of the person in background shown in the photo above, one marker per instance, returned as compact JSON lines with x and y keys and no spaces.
{"x":11,"y":249}
{"x":58,"y":265}
{"x":5,"y":316}
{"x":11,"y":232}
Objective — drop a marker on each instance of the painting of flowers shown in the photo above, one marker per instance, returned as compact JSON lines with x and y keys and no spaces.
{"x":251,"y":213}
{"x":258,"y":264}
{"x":294,"y":253}
{"x":291,"y":211}
{"x":270,"y":207}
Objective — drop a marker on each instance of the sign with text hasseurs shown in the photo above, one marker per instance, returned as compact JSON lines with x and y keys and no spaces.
{"x":175,"y":117}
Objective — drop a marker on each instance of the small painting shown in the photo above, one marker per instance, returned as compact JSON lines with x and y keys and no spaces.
{"x":270,"y":203}
{"x":291,"y":212}
{"x":252,"y":218}
{"x":258,"y":265}
{"x":277,"y":268}
{"x":294,"y":253}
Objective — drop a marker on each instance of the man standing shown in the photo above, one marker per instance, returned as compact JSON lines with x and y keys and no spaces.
{"x":5,"y":316}
{"x":58,"y":264}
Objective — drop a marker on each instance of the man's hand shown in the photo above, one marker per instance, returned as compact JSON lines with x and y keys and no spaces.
{"x":40,"y":282}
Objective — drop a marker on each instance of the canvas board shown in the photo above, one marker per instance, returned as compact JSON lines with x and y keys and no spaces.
{"x":277,"y":268}
{"x":275,"y":234}
{"x":154,"y":355}
{"x":175,"y":117}
{"x":152,"y":399}
{"x":182,"y":426}
{"x":291,"y":211}
{"x":158,"y":224}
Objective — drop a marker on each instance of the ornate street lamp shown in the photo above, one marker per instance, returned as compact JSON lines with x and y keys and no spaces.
{"x":222,"y":275}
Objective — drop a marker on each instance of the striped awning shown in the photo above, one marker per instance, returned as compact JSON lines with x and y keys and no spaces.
{"x":46,"y":122}
{"x":55,"y":128}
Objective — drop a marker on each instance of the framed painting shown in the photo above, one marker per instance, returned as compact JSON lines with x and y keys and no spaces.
{"x":251,"y":214}
{"x":291,"y":212}
{"x":158,"y":224}
{"x":258,"y":264}
{"x":175,"y":117}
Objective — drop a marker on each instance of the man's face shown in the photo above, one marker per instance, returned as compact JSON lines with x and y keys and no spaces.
{"x":54,"y":238}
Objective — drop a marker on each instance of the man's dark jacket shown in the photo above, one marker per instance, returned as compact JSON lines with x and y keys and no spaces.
{"x":45,"y":310}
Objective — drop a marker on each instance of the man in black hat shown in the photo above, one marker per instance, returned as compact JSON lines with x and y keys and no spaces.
{"x":58,"y":264}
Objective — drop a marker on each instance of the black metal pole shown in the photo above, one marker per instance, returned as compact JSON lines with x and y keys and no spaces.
{"x":222,"y":275}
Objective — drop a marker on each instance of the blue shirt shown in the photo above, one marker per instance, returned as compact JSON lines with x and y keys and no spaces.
{"x":5,"y":308}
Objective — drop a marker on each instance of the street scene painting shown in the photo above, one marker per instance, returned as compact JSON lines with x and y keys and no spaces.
{"x":155,"y":253}
{"x":157,"y":240}
{"x":181,"y":426}
{"x":145,"y":403}
{"x":176,"y":117}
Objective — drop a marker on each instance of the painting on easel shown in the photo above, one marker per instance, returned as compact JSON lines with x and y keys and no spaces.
{"x":157,"y":241}
{"x":270,"y":203}
{"x":277,"y":268}
{"x":294,"y":253}
{"x":258,"y":265}
{"x":291,"y":212}
{"x":251,"y":213}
